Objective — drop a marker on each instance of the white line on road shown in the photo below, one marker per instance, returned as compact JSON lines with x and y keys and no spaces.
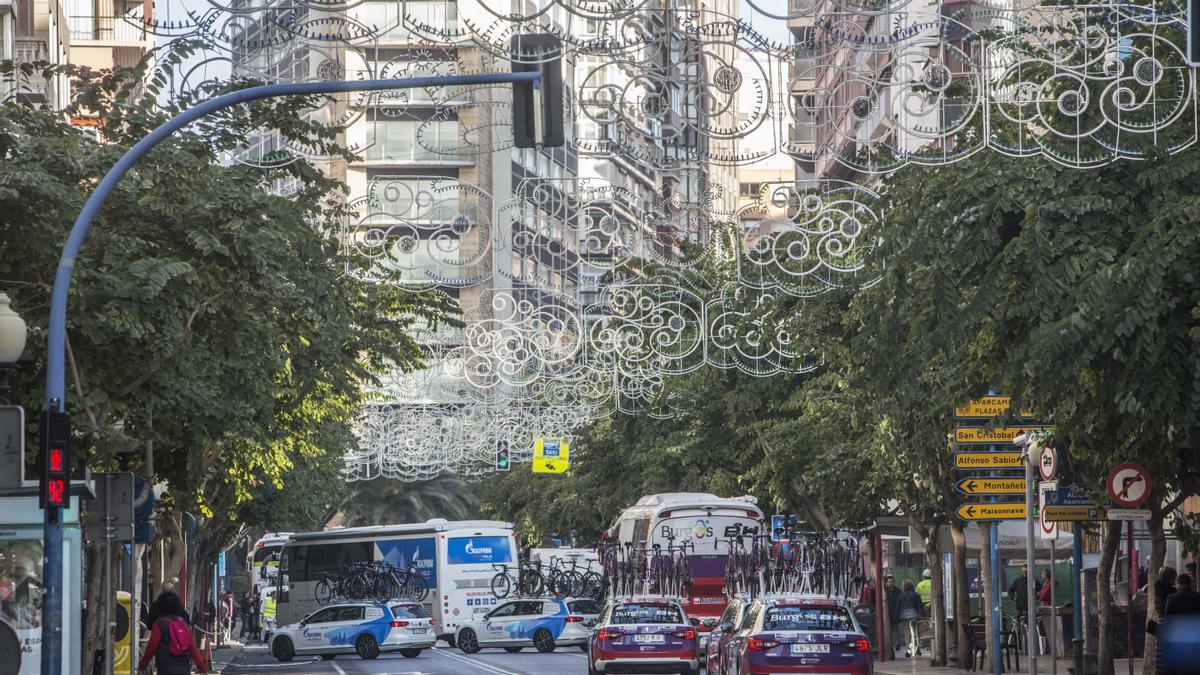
{"x":486,"y":667}
{"x":337,"y":668}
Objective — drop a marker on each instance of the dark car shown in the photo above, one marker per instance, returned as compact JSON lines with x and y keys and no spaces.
{"x":651,"y":635}
{"x":802,"y":634}
{"x":725,"y":629}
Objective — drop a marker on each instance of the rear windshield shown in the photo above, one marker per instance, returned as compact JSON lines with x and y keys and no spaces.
{"x":409,"y":612}
{"x":807,"y":618}
{"x":646,"y":613}
{"x":584,"y":607}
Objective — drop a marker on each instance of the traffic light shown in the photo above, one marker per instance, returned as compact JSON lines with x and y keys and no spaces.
{"x":502,"y":457}
{"x":55,"y":490}
{"x":1193,"y":32}
{"x":538,"y":111}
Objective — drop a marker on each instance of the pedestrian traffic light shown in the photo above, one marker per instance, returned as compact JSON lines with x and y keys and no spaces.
{"x":56,"y":462}
{"x":502,"y":457}
{"x":538,"y":111}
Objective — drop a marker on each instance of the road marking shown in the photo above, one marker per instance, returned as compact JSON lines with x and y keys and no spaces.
{"x":337,"y":668}
{"x":486,"y":667}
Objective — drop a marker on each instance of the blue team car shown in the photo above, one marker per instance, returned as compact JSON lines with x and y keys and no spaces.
{"x":541,"y":623}
{"x":363,"y":628}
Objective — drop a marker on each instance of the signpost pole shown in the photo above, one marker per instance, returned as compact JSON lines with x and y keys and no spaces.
{"x":1131,"y":591}
{"x":1077,"y":598}
{"x":1030,"y":559}
{"x":109,"y":591}
{"x":997,"y":576}
{"x":879,"y":619}
{"x":1053,"y":628}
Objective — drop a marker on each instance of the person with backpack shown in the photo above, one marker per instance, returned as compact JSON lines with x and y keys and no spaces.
{"x":171,"y":644}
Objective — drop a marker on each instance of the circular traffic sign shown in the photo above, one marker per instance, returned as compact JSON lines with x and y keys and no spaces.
{"x":1049,"y":527}
{"x":1048,"y":463}
{"x":1129,"y":485}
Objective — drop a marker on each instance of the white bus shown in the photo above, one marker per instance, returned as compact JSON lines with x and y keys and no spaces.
{"x":263,"y":560}
{"x":707,"y":524}
{"x":455,"y":557}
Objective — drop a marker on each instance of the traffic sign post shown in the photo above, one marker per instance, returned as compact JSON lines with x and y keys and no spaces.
{"x":991,"y":486}
{"x":987,"y":408}
{"x":992,"y":511}
{"x":1129,"y":485}
{"x":992,"y":436}
{"x":1075,"y":513}
{"x":1049,"y":528}
{"x":986,"y":461}
{"x":1047,"y":463}
{"x":1128,"y":514}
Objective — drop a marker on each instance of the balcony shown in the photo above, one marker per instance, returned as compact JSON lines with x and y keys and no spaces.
{"x":107,"y":29}
{"x":31,"y":88}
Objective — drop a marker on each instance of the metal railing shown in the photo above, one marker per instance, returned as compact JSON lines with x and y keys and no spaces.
{"x":113,"y":28}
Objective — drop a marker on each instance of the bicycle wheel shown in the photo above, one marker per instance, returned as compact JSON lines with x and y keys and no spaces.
{"x":323,"y":593}
{"x":418,"y":588}
{"x":531,"y":582}
{"x":501,"y":585}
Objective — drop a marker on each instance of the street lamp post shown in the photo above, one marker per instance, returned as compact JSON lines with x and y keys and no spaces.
{"x":12,"y":342}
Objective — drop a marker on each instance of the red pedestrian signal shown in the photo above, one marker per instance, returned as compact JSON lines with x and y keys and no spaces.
{"x":56,"y":461}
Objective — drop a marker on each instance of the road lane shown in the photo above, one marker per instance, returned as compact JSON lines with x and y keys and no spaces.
{"x":437,"y":661}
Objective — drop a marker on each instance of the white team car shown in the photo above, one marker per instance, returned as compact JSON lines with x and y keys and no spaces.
{"x":363,"y":628}
{"x":541,"y":623}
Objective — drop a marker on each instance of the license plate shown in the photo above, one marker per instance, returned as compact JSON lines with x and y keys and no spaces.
{"x":420,"y":631}
{"x":651,"y":639}
{"x":810,"y":649}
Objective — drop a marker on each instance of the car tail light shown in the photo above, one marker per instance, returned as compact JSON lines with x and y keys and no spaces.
{"x":685,"y":634}
{"x":574,"y":619}
{"x":859,"y":645}
{"x":759,"y":644}
{"x":752,"y":514}
{"x":605,"y":634}
{"x":433,"y":622}
{"x":399,"y":624}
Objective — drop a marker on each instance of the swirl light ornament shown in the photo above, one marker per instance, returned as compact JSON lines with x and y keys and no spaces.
{"x":721,"y":158}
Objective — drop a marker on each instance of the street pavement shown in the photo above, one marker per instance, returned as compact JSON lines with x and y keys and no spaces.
{"x":437,"y":661}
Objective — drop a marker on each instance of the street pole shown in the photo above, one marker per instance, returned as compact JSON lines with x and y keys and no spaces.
{"x":1053,"y":630}
{"x":997,"y":576}
{"x":1130,"y":592}
{"x":1030,"y":558}
{"x":56,"y":393}
{"x":108,"y":581}
{"x":1077,"y":598}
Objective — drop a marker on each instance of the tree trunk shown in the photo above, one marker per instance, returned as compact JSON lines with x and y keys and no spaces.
{"x":962,"y":600}
{"x":1158,"y":551}
{"x":937,"y":603}
{"x":1104,"y":595}
{"x":985,"y":570}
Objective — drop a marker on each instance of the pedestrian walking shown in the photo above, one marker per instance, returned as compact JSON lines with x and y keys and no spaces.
{"x":1018,"y":591}
{"x":244,"y":615}
{"x":1043,"y":593}
{"x":1164,"y":588}
{"x":268,"y":614}
{"x":911,"y":608}
{"x":893,"y":608}
{"x":1185,"y":601}
{"x":255,"y":620}
{"x":925,"y":588}
{"x":171,"y":645}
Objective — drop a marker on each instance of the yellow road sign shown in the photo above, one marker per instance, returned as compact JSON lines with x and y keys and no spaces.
{"x":550,"y":455}
{"x":1075,"y":513}
{"x":984,"y":461}
{"x":1001,"y":511}
{"x":988,"y":406}
{"x":991,"y":486}
{"x":997,"y":435}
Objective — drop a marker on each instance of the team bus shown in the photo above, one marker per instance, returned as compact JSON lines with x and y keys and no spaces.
{"x":457,"y":558}
{"x":708,"y":524}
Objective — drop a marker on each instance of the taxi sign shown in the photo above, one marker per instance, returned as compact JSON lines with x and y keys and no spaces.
{"x":998,"y":511}
{"x":987,"y":461}
{"x":986,"y":408}
{"x":550,"y":455}
{"x":994,"y":436}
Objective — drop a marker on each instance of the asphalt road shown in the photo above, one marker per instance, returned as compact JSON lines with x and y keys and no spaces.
{"x":437,"y":661}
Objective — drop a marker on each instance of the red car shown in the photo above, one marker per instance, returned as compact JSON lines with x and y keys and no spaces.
{"x":798,"y":635}
{"x":644,"y":636}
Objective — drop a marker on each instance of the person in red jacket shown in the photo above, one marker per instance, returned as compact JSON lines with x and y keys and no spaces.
{"x":159,"y":647}
{"x":1043,"y":594}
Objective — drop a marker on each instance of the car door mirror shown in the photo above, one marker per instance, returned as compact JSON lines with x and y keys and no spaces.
{"x":694,"y":621}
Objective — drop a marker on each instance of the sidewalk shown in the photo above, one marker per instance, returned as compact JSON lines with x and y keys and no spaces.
{"x":920,"y":666}
{"x":225,"y":655}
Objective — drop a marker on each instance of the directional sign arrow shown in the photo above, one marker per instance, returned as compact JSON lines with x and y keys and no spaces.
{"x":987,"y":461}
{"x":991,"y":486}
{"x":998,"y":511}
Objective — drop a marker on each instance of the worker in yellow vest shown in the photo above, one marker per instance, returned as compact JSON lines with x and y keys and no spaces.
{"x":925,"y":589}
{"x":268,"y":614}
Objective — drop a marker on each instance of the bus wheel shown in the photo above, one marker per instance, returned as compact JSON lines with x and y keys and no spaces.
{"x":543,"y":640}
{"x":282,"y":648}
{"x":366,"y":646}
{"x":468,"y":642}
